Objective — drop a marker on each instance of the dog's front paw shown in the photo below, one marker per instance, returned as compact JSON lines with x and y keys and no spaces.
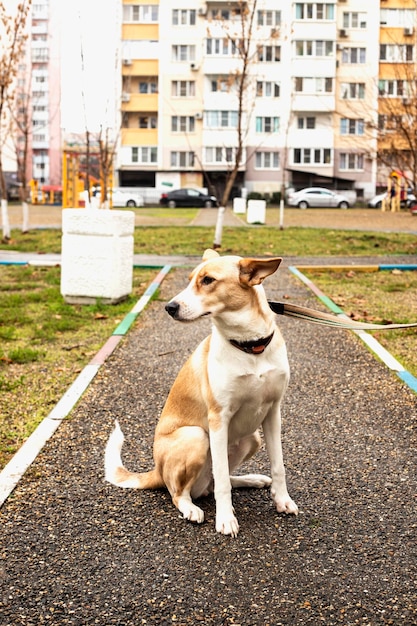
{"x":285,"y":504}
{"x":227,"y":525}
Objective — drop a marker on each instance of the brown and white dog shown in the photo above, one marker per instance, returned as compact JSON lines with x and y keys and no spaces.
{"x":232,"y":384}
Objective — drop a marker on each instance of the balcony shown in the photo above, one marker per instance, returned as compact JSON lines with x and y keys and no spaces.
{"x":138,"y":102}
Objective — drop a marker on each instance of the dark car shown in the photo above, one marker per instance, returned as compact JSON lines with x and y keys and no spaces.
{"x":187,"y":198}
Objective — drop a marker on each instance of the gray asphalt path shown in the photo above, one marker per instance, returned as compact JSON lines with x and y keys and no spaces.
{"x":78,"y":551}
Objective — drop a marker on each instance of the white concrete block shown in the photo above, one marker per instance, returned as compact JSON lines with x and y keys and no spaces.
{"x":239,"y":205}
{"x":96,"y":255}
{"x":256,"y":213}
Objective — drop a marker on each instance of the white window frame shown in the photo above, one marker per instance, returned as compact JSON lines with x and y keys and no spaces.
{"x":183,"y":17}
{"x":144,"y":155}
{"x":312,"y":156}
{"x":351,"y":161}
{"x":267,"y":160}
{"x":183,"y":88}
{"x":141,"y":13}
{"x":182,"y":159}
{"x":181,"y":53}
{"x":182,"y":124}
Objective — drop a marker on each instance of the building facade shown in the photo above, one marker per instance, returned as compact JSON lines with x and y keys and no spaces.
{"x":309,"y":111}
{"x":38,"y":97}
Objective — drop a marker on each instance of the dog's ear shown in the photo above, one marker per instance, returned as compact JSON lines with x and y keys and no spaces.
{"x":210,"y":254}
{"x":253,"y":271}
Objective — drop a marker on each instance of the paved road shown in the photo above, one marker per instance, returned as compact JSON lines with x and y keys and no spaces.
{"x":78,"y":551}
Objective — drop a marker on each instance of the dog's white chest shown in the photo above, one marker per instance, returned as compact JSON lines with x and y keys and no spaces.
{"x":247,"y":386}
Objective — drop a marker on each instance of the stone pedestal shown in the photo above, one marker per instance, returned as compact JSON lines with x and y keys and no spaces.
{"x":97,"y":255}
{"x":239,"y":205}
{"x":256,"y":212}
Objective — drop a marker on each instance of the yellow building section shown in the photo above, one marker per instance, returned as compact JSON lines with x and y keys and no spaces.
{"x":139,"y":136}
{"x":140,"y":103}
{"x":144,"y":67}
{"x":140,"y":32}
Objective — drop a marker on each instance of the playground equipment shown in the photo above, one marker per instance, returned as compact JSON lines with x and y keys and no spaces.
{"x":77,"y":178}
{"x":396,"y":192}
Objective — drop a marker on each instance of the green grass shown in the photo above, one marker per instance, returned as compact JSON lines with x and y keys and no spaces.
{"x":377,"y":297}
{"x":252,"y":240}
{"x":45,"y":343}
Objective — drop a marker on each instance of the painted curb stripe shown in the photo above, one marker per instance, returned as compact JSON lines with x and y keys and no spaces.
{"x":357,"y":268}
{"x":325,"y":299}
{"x":408,"y":379}
{"x":27,"y":453}
{"x":372,"y":343}
{"x":340,"y":268}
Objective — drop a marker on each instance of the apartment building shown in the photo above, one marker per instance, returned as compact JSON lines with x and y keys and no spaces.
{"x":319,"y":75}
{"x":38,"y":89}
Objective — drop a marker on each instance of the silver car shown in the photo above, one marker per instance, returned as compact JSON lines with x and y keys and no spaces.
{"x":317,"y":197}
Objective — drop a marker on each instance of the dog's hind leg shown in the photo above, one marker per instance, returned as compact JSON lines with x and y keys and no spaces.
{"x":185,"y":460}
{"x":241,"y":452}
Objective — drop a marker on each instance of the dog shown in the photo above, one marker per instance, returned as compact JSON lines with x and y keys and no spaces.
{"x":231,"y":385}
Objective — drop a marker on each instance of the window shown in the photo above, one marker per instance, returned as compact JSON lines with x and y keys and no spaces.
{"x":183,"y":53}
{"x":314,"y":11}
{"x":308,"y":123}
{"x":269,"y":54}
{"x":352,"y":126}
{"x":306,"y":156}
{"x":147,"y":121}
{"x":354,"y":55}
{"x":354,"y":20}
{"x":182,"y":159}
{"x":144,"y":154}
{"x":319,"y":48}
{"x":267,"y":124}
{"x":221,"y":119}
{"x":146,"y":86}
{"x":182,"y":123}
{"x":269,"y":18}
{"x":222,"y":47}
{"x":389,"y":123}
{"x":352,"y":91}
{"x":396,"y":53}
{"x":183,"y":17}
{"x":183,"y":88}
{"x":397,"y":17}
{"x":267,"y":89}
{"x":220,"y":84}
{"x":267,"y":160}
{"x":142,"y":13}
{"x":351,"y":161}
{"x":393,"y":88}
{"x":313,"y":85}
{"x":220,"y":155}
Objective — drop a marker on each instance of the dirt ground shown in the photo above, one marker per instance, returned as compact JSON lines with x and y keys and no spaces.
{"x":357,"y":219}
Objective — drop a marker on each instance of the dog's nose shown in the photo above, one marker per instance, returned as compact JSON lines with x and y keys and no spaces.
{"x":172,"y":308}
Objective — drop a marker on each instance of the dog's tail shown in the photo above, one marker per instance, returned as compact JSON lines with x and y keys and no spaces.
{"x":117,"y":474}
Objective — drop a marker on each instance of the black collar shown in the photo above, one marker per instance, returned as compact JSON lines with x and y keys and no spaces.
{"x":252,"y":347}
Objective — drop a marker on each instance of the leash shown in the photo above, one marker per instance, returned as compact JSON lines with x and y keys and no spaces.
{"x":327,"y":319}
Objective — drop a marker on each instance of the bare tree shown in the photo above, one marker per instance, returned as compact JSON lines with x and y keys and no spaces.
{"x":12,"y":51}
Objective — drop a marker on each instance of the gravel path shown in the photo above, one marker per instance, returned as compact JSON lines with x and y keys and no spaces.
{"x":78,"y":551}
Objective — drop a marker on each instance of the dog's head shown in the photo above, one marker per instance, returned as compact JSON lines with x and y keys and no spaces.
{"x":221,"y":284}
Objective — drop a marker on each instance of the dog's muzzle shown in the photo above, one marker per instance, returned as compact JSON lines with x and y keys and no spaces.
{"x":172,"y":308}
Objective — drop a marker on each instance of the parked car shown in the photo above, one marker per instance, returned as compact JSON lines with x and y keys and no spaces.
{"x":187,"y":198}
{"x":317,"y":197}
{"x":120,"y":198}
{"x":376,"y":202}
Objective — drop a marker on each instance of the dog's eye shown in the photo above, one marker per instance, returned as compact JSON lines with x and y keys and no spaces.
{"x":207,"y":280}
